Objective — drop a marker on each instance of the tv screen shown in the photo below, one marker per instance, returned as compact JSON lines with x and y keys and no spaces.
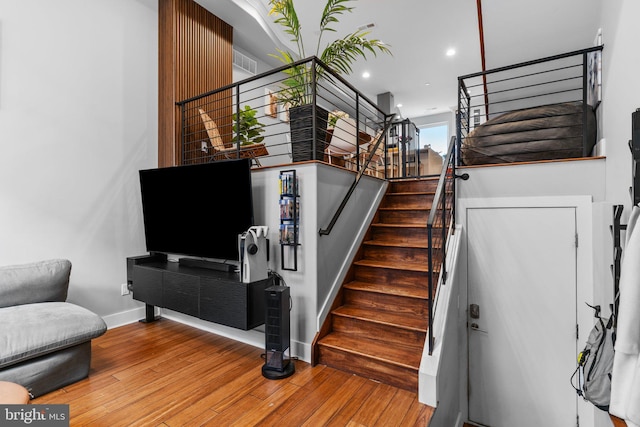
{"x":197,"y":210}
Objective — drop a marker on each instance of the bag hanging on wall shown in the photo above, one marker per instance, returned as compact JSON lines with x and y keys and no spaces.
{"x":595,"y":363}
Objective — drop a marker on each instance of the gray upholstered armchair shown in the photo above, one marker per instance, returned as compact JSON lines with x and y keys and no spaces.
{"x":45,"y":342}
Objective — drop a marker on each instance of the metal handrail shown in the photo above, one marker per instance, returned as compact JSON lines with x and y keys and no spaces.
{"x":388,"y":121}
{"x":533,"y":62}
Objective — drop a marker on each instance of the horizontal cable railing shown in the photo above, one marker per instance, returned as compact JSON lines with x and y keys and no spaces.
{"x":531,"y":111}
{"x":294,"y":113}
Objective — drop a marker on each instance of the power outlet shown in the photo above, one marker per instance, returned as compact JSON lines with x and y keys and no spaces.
{"x":124,"y":289}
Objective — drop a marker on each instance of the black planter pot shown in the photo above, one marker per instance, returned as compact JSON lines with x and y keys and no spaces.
{"x":301,"y":125}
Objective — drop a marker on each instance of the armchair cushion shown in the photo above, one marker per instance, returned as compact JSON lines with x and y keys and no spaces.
{"x":40,"y":281}
{"x":36,"y":329}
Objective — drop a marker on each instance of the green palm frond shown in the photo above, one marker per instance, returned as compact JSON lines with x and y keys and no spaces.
{"x":339,"y":55}
{"x":344,"y":52}
{"x":288,"y":18}
{"x":331,"y":10}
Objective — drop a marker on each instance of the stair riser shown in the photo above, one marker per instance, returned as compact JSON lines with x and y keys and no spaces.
{"x":404,"y":255}
{"x":413,"y":186}
{"x":404,"y":217}
{"x":400,"y":377}
{"x":409,"y":201}
{"x":394,"y":303}
{"x":389,"y":276}
{"x":400,"y":235}
{"x":385,"y":333}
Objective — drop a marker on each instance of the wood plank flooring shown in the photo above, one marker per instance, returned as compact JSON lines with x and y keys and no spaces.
{"x":169,"y":374}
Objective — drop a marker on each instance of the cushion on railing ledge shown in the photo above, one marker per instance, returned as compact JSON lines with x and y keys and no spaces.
{"x":32,"y":330}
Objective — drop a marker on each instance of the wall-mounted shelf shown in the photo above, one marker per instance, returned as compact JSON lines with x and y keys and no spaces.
{"x":289,"y":220}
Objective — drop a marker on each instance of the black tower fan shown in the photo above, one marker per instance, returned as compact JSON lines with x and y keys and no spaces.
{"x":277,"y":337}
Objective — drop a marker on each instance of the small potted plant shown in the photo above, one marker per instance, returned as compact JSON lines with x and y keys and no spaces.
{"x":246,"y":126}
{"x":297,"y":88}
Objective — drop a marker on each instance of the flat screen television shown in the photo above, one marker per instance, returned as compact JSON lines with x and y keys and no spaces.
{"x":197,"y":210}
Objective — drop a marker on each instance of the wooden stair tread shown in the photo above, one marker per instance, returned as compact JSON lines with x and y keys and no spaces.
{"x":402,"y":225}
{"x":407,"y":266}
{"x":403,"y":291}
{"x":396,"y":225}
{"x":411,"y":193}
{"x":419,"y":244}
{"x":404,"y":321}
{"x":395,"y":354}
{"x":403,"y":209}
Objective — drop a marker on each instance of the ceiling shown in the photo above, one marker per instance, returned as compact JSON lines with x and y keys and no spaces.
{"x":419,"y":74}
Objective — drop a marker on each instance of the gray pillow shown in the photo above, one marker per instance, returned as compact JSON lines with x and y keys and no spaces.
{"x":42,"y":281}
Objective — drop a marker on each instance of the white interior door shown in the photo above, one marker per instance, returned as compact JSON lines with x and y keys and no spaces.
{"x":522,"y":339}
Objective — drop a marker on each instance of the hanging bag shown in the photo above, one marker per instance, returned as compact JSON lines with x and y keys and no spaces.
{"x":595,"y":363}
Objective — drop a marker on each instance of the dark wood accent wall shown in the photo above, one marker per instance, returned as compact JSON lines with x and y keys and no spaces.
{"x":195,"y":56}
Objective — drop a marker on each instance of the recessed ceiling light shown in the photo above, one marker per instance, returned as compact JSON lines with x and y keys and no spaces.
{"x":366,"y":75}
{"x":451,"y":52}
{"x":427,"y":84}
{"x":399,"y":105}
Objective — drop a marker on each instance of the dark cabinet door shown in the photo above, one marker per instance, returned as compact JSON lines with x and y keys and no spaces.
{"x":224,"y":302}
{"x":147,"y":285}
{"x":180,"y":292}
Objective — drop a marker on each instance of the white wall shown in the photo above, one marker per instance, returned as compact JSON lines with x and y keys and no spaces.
{"x":442,"y":376}
{"x":620,"y":93}
{"x":585,"y":177}
{"x":553,"y":181}
{"x":78,"y":119}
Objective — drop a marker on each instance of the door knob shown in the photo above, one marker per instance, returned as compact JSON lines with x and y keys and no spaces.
{"x":476,"y":327}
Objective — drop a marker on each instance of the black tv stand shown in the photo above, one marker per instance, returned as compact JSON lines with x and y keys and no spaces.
{"x":209,"y":294}
{"x":210,"y":265}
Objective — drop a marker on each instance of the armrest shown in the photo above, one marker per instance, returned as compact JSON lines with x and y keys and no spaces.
{"x":40,"y":281}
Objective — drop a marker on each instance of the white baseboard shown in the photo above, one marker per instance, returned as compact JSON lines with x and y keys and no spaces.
{"x":254,"y":337}
{"x":124,"y":318}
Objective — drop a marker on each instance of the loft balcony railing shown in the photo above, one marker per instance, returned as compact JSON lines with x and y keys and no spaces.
{"x":536,"y":110}
{"x":291,"y":114}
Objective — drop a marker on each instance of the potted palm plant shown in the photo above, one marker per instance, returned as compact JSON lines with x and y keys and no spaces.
{"x":298,"y":88}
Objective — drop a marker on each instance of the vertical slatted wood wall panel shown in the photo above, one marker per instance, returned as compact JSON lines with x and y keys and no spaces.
{"x":196,"y":54}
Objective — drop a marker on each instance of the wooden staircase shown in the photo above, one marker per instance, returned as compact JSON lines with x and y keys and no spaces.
{"x":377,"y":327}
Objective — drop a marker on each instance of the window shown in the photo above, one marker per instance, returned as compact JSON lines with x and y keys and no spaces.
{"x":435,"y":135}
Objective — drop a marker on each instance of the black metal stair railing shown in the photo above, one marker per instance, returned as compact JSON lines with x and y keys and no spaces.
{"x":440,"y":224}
